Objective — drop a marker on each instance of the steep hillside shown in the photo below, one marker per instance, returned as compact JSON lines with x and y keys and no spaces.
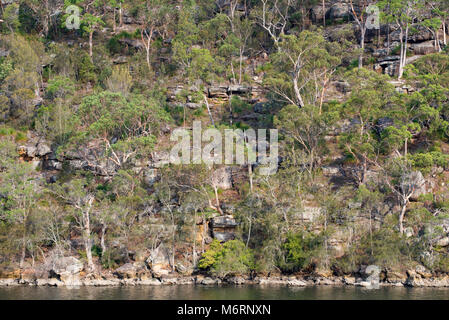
{"x":93,"y":94}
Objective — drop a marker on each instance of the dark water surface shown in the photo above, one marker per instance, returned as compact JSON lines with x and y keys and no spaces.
{"x":190,"y":292}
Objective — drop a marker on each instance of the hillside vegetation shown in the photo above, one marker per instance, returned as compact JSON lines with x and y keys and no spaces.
{"x":87,"y":111}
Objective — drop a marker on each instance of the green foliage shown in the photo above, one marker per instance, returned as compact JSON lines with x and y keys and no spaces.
{"x":120,"y":80}
{"x":5,"y":68}
{"x":11,"y":17}
{"x":230,"y":258}
{"x":60,"y":87}
{"x":84,"y":68}
{"x":299,"y":248}
{"x":430,"y":159}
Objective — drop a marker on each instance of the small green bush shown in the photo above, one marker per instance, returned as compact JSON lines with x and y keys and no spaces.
{"x":230,"y":258}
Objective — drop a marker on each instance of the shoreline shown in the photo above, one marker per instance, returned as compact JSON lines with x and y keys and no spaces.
{"x":290,"y":281}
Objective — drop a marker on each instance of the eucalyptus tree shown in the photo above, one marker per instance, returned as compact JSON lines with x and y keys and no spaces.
{"x":78,"y":196}
{"x":274,"y":17}
{"x":20,"y":192}
{"x":116,"y":130}
{"x":371,"y":92}
{"x":197,"y":63}
{"x":361,"y":16}
{"x":402,"y":13}
{"x":89,"y":18}
{"x":440,"y":8}
{"x":301,"y":69}
{"x":304,"y":129}
{"x":403,"y":182}
{"x":156,"y":15}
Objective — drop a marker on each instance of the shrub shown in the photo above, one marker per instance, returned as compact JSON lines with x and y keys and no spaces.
{"x":230,"y":258}
{"x":298,"y":249}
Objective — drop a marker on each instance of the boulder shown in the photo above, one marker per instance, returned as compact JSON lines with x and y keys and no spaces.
{"x":218,"y":91}
{"x":49,"y":282}
{"x":236,"y":280}
{"x":414,"y":181}
{"x":395,"y":277}
{"x":173,"y":92}
{"x":160,"y":159}
{"x":8,"y":282}
{"x":420,"y":34}
{"x":223,"y":236}
{"x":437,"y":233}
{"x":330,"y":170}
{"x":424,"y":48}
{"x":127,"y":271}
{"x":209,"y":281}
{"x":42,"y":149}
{"x":150,"y":282}
{"x":349,"y":280}
{"x":342,"y":86}
{"x":224,"y":222}
{"x":4,"y":53}
{"x":296,"y":283}
{"x":192,"y":105}
{"x":131,"y":270}
{"x":159,"y":261}
{"x":67,"y":270}
{"x":137,"y":44}
{"x":238,"y":89}
{"x":339,"y":10}
{"x":317,"y":13}
{"x":66,"y":265}
{"x":120,"y":60}
{"x":223,"y":228}
{"x":151,"y":176}
{"x":28,"y":275}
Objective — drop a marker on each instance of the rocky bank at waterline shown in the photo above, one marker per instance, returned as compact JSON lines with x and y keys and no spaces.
{"x":69,"y":271}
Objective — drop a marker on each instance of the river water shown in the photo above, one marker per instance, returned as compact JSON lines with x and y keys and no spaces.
{"x":250,"y":292}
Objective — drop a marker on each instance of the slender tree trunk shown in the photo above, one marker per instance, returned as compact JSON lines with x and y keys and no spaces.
{"x":403,"y":54}
{"x":173,"y":245}
{"x":249,"y":231}
{"x":217,"y":200}
{"x":24,"y":247}
{"x":232,"y":70}
{"x":194,"y":240}
{"x":91,"y":34}
{"x":405,"y":147}
{"x":114,"y":26}
{"x":297,"y":92}
{"x":324,"y":13}
{"x":437,"y":41}
{"x":120,"y":15}
{"x":87,"y":241}
{"x":362,"y":46}
{"x":102,"y":242}
{"x":208,"y":111}
{"x":203,"y":231}
{"x":444,"y":33}
{"x":401,"y":217}
{"x":240,"y":65}
{"x":250,"y":174}
{"x":148,"y":58}
{"x":388,"y":38}
{"x":365,"y":169}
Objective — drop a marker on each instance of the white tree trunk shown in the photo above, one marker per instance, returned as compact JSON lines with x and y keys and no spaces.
{"x":87,"y":241}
